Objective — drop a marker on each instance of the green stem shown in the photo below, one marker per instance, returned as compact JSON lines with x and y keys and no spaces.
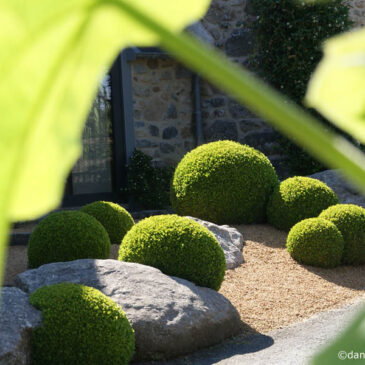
{"x":333,"y":150}
{"x":4,"y":229}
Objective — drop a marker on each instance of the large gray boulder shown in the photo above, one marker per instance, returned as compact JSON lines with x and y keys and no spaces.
{"x":170,"y":316}
{"x":230,"y":239}
{"x":347,"y":193}
{"x":17,"y":319}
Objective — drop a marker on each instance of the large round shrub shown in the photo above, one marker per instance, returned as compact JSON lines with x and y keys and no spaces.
{"x":350,"y":220}
{"x":114,"y":218}
{"x":80,"y":325}
{"x":298,"y":198}
{"x":67,"y":236}
{"x":223,"y":182}
{"x":316,"y":242}
{"x":177,"y":246}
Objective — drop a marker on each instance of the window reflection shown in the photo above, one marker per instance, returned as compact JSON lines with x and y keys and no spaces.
{"x":93,"y":171}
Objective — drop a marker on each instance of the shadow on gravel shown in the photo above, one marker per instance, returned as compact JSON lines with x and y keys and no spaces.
{"x":352,"y":277}
{"x":248,"y":341}
{"x":264,"y":234}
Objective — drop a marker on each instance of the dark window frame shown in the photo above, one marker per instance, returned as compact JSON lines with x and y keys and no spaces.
{"x":123,"y":135}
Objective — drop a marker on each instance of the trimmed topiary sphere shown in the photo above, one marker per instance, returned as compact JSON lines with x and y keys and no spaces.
{"x":298,"y":198}
{"x":223,"y":182}
{"x":80,"y":325}
{"x":316,"y":242}
{"x":350,"y":220}
{"x":177,"y":246}
{"x":67,"y":236}
{"x":114,"y":218}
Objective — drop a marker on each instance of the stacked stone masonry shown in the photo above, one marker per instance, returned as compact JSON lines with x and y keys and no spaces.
{"x":163,"y":94}
{"x":163,"y":111}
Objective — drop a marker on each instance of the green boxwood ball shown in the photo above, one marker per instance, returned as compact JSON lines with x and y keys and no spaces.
{"x":350,"y":220}
{"x":178,"y":246}
{"x":223,"y":182}
{"x":80,"y":325}
{"x":316,"y":242}
{"x":67,"y":236}
{"x":114,"y":218}
{"x":298,"y":198}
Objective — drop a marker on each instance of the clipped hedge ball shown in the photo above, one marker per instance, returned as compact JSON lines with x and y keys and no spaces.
{"x":298,"y":198}
{"x":316,"y":242}
{"x":114,"y":218}
{"x":177,"y":246}
{"x":80,"y":325}
{"x":67,"y":236}
{"x":350,"y":220}
{"x":223,"y":182}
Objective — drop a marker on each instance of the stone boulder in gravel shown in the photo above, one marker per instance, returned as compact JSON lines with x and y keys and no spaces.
{"x":347,"y":193}
{"x":170,"y":316}
{"x":17,"y":319}
{"x":230,"y":239}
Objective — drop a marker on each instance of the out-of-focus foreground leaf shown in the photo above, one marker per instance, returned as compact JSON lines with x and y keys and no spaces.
{"x":337,"y":86}
{"x":347,"y":346}
{"x":51,"y":57}
{"x":52,"y":54}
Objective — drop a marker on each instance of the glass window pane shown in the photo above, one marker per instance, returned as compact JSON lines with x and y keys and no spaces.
{"x":93,"y":171}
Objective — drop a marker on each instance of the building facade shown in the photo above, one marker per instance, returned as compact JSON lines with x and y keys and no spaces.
{"x":151,"y":102}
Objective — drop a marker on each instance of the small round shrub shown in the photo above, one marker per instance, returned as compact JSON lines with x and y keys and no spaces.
{"x":80,"y":325}
{"x":350,"y":220}
{"x":177,"y":246}
{"x":67,"y":236}
{"x":298,"y":198}
{"x":316,"y":242}
{"x":223,"y":182}
{"x":114,"y":218}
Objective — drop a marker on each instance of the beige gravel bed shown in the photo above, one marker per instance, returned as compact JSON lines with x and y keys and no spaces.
{"x":270,"y":290}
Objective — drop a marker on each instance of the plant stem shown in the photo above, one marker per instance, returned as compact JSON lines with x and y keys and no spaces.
{"x":4,"y":229}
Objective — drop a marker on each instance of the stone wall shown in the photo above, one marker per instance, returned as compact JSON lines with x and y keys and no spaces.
{"x":163,"y":111}
{"x":357,"y":12}
{"x":228,"y":21}
{"x":163,"y":94}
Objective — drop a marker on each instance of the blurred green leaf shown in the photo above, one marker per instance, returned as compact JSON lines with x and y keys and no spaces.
{"x":346,"y":347}
{"x":51,"y":61}
{"x":337,"y":86}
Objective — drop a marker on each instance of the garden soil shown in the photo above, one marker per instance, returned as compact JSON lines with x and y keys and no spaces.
{"x":270,"y":290}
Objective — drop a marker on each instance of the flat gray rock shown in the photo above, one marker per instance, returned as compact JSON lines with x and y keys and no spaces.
{"x":230,"y":239}
{"x":17,"y":319}
{"x":170,"y":316}
{"x":347,"y":193}
{"x":293,"y":345}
